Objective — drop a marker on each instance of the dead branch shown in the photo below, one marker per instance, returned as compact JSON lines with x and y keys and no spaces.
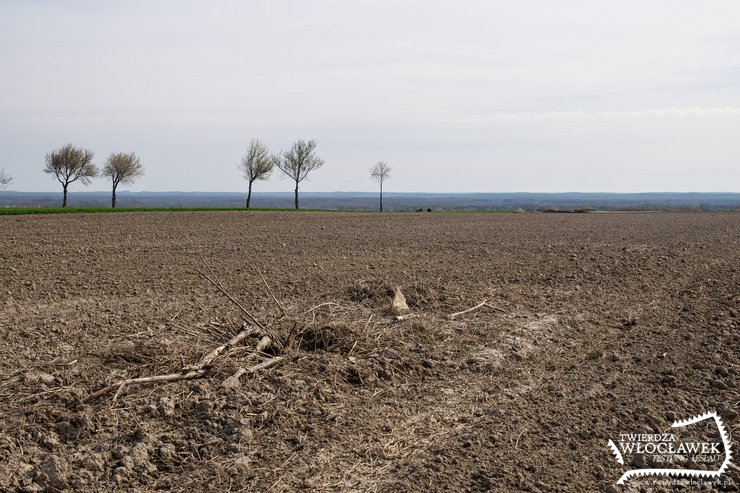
{"x":233,"y":380}
{"x":133,"y":381}
{"x":495,"y":308}
{"x":217,"y":283}
{"x":269,"y":289}
{"x":213,"y":279}
{"x":188,"y":372}
{"x":400,"y":318}
{"x":201,"y":367}
{"x":210,"y":356}
{"x":482,"y":303}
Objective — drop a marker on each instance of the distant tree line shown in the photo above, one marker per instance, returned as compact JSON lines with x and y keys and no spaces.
{"x":69,"y":164}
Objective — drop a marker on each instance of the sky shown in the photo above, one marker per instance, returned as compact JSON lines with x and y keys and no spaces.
{"x":464,"y":96}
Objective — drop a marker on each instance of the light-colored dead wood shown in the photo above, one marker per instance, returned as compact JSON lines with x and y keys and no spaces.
{"x":264,"y":344}
{"x":211,"y":355}
{"x":399,"y":306}
{"x":495,"y":308}
{"x":482,"y":303}
{"x":134,"y":381}
{"x":233,"y":380}
{"x":188,"y":372}
{"x":400,"y":318}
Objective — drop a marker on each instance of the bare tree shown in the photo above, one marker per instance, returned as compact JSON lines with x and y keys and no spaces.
{"x":257,"y":164}
{"x":298,"y":162}
{"x":5,"y":179}
{"x":69,"y":164}
{"x":380,"y":172}
{"x":123,"y":169}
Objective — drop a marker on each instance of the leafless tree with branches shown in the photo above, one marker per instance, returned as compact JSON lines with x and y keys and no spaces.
{"x":380,"y":172}
{"x":298,"y":162}
{"x":256,"y":164}
{"x":69,"y":164}
{"x":123,"y":169}
{"x":5,"y":179}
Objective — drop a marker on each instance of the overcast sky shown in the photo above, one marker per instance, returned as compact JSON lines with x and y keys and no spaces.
{"x":463,"y":96}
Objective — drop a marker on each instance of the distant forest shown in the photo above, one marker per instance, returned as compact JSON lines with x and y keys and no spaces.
{"x":554,"y":202}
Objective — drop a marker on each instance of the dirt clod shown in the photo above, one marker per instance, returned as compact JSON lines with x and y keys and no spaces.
{"x":52,"y":474}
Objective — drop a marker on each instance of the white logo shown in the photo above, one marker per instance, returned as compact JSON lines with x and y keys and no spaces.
{"x":662,"y":447}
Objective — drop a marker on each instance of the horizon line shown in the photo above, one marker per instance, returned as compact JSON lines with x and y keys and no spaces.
{"x":290,"y":193}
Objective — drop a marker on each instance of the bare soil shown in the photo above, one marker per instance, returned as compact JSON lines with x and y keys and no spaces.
{"x":596,"y":325}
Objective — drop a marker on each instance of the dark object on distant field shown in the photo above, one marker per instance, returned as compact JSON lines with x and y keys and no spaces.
{"x":567,"y":211}
{"x":70,"y":164}
{"x":429,"y":210}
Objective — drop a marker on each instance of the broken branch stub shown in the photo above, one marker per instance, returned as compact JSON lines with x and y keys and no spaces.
{"x":482,"y":303}
{"x":399,"y":306}
{"x":233,"y":380}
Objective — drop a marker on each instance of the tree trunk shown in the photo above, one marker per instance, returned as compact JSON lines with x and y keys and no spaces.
{"x":249,"y":195}
{"x":64,"y":201}
{"x":296,"y":195}
{"x":381,"y":196}
{"x":113,"y":198}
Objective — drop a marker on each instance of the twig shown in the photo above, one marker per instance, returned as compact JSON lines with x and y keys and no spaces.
{"x":133,"y":381}
{"x":353,"y":348}
{"x":516,"y":445}
{"x":210,"y":356}
{"x":269,"y":289}
{"x":233,"y":380}
{"x":217,"y":283}
{"x":482,"y":303}
{"x":188,"y":372}
{"x":495,"y":308}
{"x":405,"y":317}
{"x":63,"y":364}
{"x":118,"y":392}
{"x":317,"y":306}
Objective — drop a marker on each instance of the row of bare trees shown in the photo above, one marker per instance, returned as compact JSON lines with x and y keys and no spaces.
{"x":296,"y":163}
{"x":69,"y":164}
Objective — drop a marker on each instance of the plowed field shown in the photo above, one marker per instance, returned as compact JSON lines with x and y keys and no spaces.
{"x":594,"y":325}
